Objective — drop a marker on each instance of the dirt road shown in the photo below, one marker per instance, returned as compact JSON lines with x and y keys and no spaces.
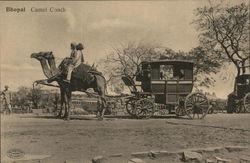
{"x":84,"y":137}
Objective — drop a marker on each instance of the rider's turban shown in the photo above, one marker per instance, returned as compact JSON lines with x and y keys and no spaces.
{"x":80,"y":46}
{"x":73,"y":45}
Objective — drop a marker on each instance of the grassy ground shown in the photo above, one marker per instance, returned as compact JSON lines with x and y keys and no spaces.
{"x":84,"y":137}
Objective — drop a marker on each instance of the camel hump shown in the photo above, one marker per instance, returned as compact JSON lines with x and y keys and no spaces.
{"x":83,"y":67}
{"x":85,"y":72}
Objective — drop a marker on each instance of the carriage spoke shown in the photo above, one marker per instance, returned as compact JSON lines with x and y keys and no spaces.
{"x":204,"y":101}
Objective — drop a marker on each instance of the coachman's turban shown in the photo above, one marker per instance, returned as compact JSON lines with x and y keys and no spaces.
{"x":80,"y":46}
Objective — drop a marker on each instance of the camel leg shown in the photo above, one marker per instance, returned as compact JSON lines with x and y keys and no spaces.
{"x":103,"y":108}
{"x":62,"y":102}
{"x":60,"y":112}
{"x":98,"y":114}
{"x":68,"y":94}
{"x":100,"y":87}
{"x":66,"y":107}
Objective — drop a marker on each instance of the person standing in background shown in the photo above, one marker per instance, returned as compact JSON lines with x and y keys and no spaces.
{"x":7,"y":98}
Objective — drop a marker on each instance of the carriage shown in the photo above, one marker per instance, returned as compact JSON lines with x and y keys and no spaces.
{"x":166,"y":84}
{"x":239,"y":100}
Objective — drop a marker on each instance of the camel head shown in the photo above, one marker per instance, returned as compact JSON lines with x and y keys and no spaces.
{"x":39,"y":55}
{"x":49,"y":55}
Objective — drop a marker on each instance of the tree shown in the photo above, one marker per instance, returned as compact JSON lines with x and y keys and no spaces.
{"x":24,"y":95}
{"x":224,"y":30}
{"x":125,"y":61}
{"x":35,"y":95}
{"x":20,"y":97}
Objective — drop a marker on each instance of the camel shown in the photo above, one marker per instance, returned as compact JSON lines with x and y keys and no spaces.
{"x":82,"y":82}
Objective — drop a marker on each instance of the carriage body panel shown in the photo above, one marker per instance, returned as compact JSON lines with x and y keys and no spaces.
{"x":242,"y":85}
{"x":239,"y":100}
{"x":167,"y":80}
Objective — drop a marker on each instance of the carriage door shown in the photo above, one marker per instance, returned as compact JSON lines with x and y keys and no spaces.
{"x":171,"y":84}
{"x":146,"y":79}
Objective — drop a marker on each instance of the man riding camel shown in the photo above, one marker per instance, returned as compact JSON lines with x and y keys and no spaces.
{"x":77,"y":58}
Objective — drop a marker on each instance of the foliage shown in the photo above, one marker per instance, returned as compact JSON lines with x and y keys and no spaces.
{"x":19,"y":98}
{"x":125,"y":61}
{"x":35,"y":95}
{"x":224,"y":31}
{"x":38,"y":97}
{"x":25,"y":95}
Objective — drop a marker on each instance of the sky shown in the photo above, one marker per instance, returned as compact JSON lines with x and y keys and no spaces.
{"x":99,"y":25}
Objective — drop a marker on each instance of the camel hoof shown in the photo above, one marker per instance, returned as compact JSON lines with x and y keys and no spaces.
{"x":59,"y":116}
{"x":100,"y":118}
{"x":66,"y":118}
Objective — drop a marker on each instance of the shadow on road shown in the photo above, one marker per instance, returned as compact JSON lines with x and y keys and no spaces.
{"x":55,"y":117}
{"x":106,"y":117}
{"x":153,"y":117}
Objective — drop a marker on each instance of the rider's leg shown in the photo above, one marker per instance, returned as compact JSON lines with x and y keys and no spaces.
{"x":70,"y":69}
{"x":53,"y":78}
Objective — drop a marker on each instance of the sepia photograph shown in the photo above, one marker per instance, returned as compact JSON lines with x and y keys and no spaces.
{"x":142,"y":81}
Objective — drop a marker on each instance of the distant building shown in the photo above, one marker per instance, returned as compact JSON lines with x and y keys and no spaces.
{"x":211,"y":96}
{"x":83,"y":101}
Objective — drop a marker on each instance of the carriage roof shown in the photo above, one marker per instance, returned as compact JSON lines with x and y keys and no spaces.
{"x":170,"y":62}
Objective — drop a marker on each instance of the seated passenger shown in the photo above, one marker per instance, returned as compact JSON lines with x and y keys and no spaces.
{"x":177,"y":74}
{"x":166,"y":72}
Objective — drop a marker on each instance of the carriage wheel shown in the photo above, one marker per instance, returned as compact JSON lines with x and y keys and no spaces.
{"x":130,"y":107}
{"x":144,"y":108}
{"x":246,"y":103}
{"x":196,"y":104}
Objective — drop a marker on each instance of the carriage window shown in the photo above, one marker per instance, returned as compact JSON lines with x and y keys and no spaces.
{"x":166,"y":72}
{"x":178,"y":73}
{"x":171,"y":72}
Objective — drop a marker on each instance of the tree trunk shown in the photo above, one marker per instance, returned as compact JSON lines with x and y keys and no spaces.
{"x":243,"y":67}
{"x":238,"y":74}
